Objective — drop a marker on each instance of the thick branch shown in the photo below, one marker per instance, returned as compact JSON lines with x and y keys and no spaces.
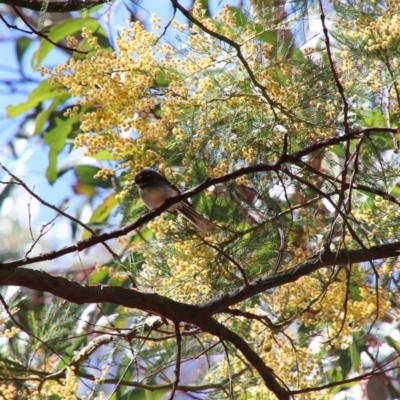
{"x":173,"y":310}
{"x":56,"y":6}
{"x":320,"y":260}
{"x":196,"y":315}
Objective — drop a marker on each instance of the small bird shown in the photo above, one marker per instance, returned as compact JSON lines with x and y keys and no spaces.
{"x":154,"y":189}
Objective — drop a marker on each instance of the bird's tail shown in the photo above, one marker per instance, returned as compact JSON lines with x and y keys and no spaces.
{"x":196,"y":219}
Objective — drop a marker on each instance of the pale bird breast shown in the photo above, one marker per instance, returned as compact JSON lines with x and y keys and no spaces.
{"x":155,"y":197}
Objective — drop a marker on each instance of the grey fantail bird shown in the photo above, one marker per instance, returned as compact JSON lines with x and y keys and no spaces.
{"x":154,"y":189}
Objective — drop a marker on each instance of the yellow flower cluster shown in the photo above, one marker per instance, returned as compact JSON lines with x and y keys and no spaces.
{"x":328,"y":304}
{"x":8,"y":392}
{"x":378,"y":32}
{"x":189,"y":277}
{"x":381,"y":221}
{"x":141,"y":94}
{"x":10,"y":333}
{"x":70,"y":387}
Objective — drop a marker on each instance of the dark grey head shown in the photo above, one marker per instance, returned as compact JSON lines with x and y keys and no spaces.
{"x":148,"y":177}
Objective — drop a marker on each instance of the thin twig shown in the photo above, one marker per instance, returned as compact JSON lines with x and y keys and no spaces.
{"x":376,"y":372}
{"x":228,"y":257}
{"x":334,"y":72}
{"x":40,"y":34}
{"x":178,"y":360}
{"x":229,"y":370}
{"x":70,"y":217}
{"x":129,"y":365}
{"x":233,"y":44}
{"x":167,"y":26}
{"x":30,"y":334}
{"x":30,"y":217}
{"x":263,"y":167}
{"x":42,"y":232}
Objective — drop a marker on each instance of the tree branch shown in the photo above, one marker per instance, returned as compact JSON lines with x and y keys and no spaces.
{"x":160,"y":305}
{"x":263,"y":167}
{"x":39,"y":33}
{"x":319,"y":260}
{"x":56,"y":6}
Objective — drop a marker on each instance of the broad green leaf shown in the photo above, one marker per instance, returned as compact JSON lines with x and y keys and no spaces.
{"x":42,"y":92}
{"x":338,"y":150}
{"x":85,"y":189}
{"x":55,"y":138}
{"x":103,"y":155}
{"x":393,"y":343}
{"x":336,"y":375}
{"x":91,"y":10}
{"x":345,"y":362}
{"x":61,"y":31}
{"x":97,"y":277}
{"x":355,"y":293}
{"x":86,"y":175}
{"x":140,"y":394}
{"x":396,"y":191}
{"x":44,"y":115}
{"x":22,"y":45}
{"x":304,"y":335}
{"x":356,"y":347}
{"x":205,"y":4}
{"x":339,"y":388}
{"x":101,"y":213}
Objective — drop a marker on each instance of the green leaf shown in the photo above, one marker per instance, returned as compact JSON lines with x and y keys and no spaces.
{"x":304,"y":335}
{"x":86,"y":175}
{"x":42,"y":92}
{"x":355,"y":293}
{"x":338,"y":150}
{"x":356,"y":348}
{"x":336,"y":375}
{"x":85,"y":189}
{"x":103,"y":155}
{"x":44,"y":115}
{"x":97,"y":276}
{"x":345,"y":362}
{"x":89,"y":11}
{"x":396,"y":191}
{"x":240,"y":18}
{"x":56,"y":138}
{"x":374,"y":118}
{"x":22,"y":45}
{"x":101,"y":213}
{"x":140,"y":394}
{"x":339,"y":388}
{"x":265,"y":36}
{"x":393,"y":343}
{"x":61,"y":31}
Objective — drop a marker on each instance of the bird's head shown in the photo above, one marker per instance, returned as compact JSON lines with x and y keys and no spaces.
{"x":146,"y":176}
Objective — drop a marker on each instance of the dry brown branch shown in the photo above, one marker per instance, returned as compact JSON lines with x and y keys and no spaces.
{"x":55,"y":6}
